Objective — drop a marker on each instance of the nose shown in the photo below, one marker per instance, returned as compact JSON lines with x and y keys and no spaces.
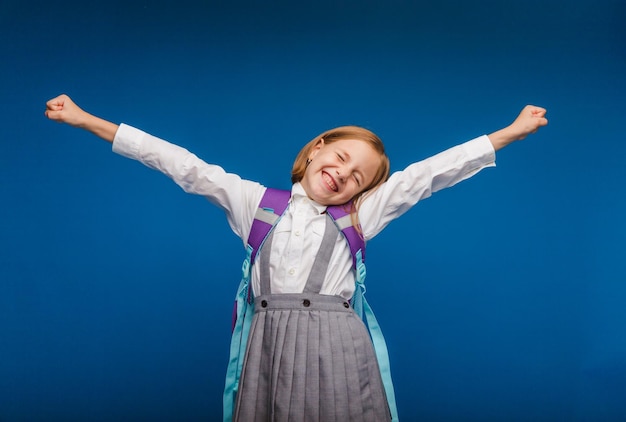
{"x":340,"y":175}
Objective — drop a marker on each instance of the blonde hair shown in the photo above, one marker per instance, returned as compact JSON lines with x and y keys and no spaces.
{"x":338,"y":134}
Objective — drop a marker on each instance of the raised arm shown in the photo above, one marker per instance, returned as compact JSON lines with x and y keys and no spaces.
{"x":63,"y":110}
{"x":239,"y":198}
{"x":529,"y":121}
{"x":419,"y":180}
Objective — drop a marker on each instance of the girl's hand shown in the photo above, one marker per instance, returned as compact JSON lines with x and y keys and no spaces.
{"x":63,"y":110}
{"x":529,"y":121}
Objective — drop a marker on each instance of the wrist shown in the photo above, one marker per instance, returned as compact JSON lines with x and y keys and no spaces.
{"x":84,"y":120}
{"x":503,"y":137}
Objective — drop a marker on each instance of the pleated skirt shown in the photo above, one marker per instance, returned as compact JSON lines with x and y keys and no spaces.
{"x":309,"y":357}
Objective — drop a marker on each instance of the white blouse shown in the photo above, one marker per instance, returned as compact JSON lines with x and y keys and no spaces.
{"x":298,"y":235}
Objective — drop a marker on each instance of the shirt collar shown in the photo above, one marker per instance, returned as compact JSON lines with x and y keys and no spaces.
{"x":298,"y":195}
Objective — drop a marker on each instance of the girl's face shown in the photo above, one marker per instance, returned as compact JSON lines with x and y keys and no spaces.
{"x":339,"y":170}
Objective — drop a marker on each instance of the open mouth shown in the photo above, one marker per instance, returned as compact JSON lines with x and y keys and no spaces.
{"x":330,"y":182}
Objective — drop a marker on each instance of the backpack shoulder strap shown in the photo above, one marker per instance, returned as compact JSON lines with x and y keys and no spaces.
{"x":271,"y":208}
{"x":343,"y":219}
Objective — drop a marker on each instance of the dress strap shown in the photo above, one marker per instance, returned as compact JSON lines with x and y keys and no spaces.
{"x":320,"y":265}
{"x":265,"y":282}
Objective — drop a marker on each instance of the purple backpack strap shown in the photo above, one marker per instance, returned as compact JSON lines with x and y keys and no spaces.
{"x":343,"y":219}
{"x":272,"y":206}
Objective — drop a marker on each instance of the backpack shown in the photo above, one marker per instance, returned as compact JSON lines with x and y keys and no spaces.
{"x":272,"y":206}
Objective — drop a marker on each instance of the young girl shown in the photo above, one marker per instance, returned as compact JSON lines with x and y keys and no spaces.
{"x":308,"y":356}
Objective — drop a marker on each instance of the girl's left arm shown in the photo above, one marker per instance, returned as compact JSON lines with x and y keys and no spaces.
{"x":529,"y":121}
{"x":421,"y":179}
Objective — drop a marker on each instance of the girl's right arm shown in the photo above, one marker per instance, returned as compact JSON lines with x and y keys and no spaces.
{"x":63,"y":110}
{"x":237,"y":197}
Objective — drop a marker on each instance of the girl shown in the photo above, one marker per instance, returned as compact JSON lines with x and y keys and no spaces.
{"x":308,"y":356}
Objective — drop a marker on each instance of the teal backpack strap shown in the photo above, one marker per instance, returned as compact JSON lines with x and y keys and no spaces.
{"x":343,"y":220}
{"x":244,"y":310}
{"x":271,"y":207}
{"x":380,"y":347}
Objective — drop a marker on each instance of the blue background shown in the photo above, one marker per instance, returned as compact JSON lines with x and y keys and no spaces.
{"x":502,"y":298}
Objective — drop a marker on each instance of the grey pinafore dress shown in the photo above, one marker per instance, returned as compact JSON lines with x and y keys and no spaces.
{"x":309,"y":357}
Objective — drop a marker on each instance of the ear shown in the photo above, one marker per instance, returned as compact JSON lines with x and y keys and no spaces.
{"x":320,"y":144}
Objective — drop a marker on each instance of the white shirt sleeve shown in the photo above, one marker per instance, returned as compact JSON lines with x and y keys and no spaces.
{"x":236,"y":196}
{"x":420,"y":180}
